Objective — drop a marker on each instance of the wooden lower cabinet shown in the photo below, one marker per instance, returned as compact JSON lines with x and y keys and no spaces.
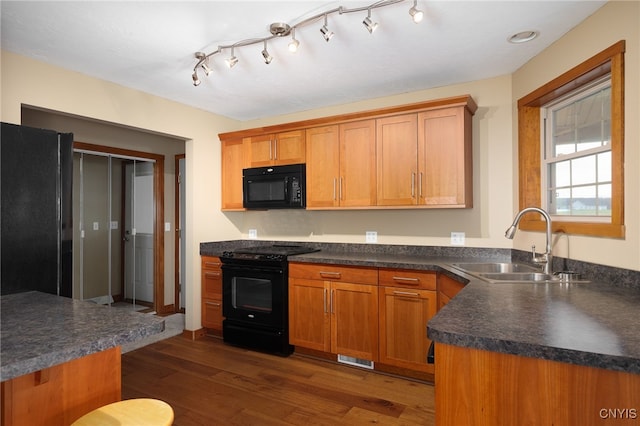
{"x":61,"y":394}
{"x":447,"y":289}
{"x":330,"y":312}
{"x":406,"y":304}
{"x":483,"y":388}
{"x":211,"y":282}
{"x":404,"y":314}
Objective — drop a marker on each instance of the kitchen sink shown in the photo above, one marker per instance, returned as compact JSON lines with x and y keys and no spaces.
{"x":503,"y":272}
{"x":518,"y":276}
{"x":496,"y":267}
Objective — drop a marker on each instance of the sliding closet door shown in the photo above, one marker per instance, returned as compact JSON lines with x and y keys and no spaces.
{"x":114,"y":232}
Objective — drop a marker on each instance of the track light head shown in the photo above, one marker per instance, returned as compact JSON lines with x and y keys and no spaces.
{"x":196,"y":80}
{"x":326,"y":33}
{"x":232,"y":61}
{"x":369,"y":24}
{"x":293,"y":44}
{"x":416,"y":14}
{"x":265,"y":54}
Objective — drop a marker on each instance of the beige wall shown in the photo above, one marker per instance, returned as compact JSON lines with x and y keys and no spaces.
{"x":617,"y":20}
{"x":495,"y":200}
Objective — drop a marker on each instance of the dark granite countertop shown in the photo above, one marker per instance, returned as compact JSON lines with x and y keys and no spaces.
{"x":39,"y":330}
{"x":592,"y":324}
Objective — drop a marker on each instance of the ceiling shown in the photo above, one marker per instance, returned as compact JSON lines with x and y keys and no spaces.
{"x":150,"y":46}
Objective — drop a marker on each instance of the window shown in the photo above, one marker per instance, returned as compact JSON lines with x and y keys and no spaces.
{"x":576,"y":167}
{"x":579,"y":178}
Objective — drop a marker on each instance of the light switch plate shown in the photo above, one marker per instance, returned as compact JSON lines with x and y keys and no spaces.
{"x":167,"y":226}
{"x":457,"y":238}
{"x":371,"y":237}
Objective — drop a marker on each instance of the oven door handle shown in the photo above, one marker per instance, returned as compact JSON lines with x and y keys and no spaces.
{"x":245,"y":268}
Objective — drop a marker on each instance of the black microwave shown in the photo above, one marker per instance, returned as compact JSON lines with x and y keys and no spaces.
{"x":276,"y":187}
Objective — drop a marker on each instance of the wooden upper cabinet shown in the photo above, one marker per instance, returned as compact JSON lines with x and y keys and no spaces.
{"x":341,"y":165}
{"x":409,"y":156}
{"x":233,"y":161}
{"x":277,"y":149}
{"x":444,"y":158}
{"x":357,"y":182}
{"x":323,"y":167}
{"x":397,"y":154}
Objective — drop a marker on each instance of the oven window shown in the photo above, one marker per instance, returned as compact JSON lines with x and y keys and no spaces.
{"x":267,"y":190}
{"x":251,"y":294}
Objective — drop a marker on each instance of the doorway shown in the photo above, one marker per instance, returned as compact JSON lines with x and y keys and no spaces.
{"x":118,"y":239}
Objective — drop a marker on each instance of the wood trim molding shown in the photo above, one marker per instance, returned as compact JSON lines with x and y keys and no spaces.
{"x":610,"y":60}
{"x":158,"y":194}
{"x":464,"y":100}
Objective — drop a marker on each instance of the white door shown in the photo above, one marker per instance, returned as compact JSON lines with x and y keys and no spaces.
{"x":139,"y":285}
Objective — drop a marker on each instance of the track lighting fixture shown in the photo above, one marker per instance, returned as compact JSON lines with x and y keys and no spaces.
{"x":232,"y":61}
{"x":326,"y":33}
{"x":369,"y":24}
{"x":293,"y":44}
{"x":416,"y":14}
{"x":265,"y":54}
{"x":281,"y":29}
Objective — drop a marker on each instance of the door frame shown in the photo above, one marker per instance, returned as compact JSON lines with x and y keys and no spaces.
{"x":178,"y":266}
{"x":158,"y":219}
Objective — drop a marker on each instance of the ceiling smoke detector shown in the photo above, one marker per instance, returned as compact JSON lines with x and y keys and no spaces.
{"x":280,"y":29}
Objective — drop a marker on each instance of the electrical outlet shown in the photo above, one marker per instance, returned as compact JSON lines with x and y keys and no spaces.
{"x":457,"y":238}
{"x":371,"y":237}
{"x":253,"y":234}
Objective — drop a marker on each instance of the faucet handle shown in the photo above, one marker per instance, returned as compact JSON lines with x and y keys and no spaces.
{"x":533,"y":251}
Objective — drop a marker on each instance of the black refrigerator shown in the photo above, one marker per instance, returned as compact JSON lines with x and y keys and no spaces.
{"x":37,"y":212}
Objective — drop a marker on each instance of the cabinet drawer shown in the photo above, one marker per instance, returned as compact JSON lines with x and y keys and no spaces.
{"x":211,"y":278}
{"x":212,"y":313}
{"x":326,"y":272}
{"x":210,"y":263}
{"x":407,"y":278}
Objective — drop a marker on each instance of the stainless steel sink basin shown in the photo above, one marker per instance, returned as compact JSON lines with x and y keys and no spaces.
{"x":518,"y":277}
{"x":495,"y":267}
{"x":504,"y":272}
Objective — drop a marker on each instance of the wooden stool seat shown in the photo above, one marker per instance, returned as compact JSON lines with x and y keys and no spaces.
{"x":138,"y":412}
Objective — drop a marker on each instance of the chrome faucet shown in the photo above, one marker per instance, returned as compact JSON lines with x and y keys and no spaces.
{"x":546,"y":258}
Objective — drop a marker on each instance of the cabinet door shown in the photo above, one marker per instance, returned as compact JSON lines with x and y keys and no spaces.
{"x":354,"y":320}
{"x":397,"y":153}
{"x":444,"y":158}
{"x":289,"y":147}
{"x":261,"y":150}
{"x":447,"y":289}
{"x":211,"y":285}
{"x":357,"y":182}
{"x":323,"y":157}
{"x":277,"y":149}
{"x":404,"y":314}
{"x":309,"y":320}
{"x":233,"y":161}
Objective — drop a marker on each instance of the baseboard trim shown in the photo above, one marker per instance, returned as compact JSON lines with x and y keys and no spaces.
{"x":194,"y":334}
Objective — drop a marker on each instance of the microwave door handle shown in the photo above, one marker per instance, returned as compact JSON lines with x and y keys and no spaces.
{"x":286,"y":188}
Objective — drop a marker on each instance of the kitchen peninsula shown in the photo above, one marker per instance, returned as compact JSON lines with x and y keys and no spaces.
{"x":514,"y":353}
{"x":60,"y":358}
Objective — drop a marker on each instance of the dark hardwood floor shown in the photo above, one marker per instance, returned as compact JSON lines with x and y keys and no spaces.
{"x":210,"y":383}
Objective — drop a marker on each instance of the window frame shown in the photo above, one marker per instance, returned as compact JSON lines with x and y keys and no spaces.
{"x":610,"y":60}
